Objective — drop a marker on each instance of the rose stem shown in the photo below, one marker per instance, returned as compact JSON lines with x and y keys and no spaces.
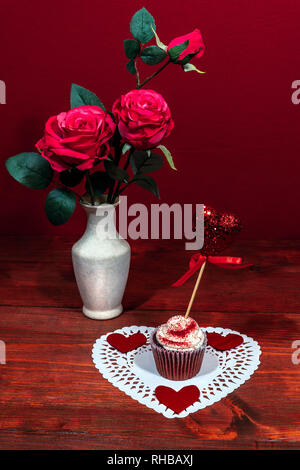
{"x":115,"y":195}
{"x":137,"y":75}
{"x":110,"y":192}
{"x":154,"y":74}
{"x":90,"y":186}
{"x":195,"y":290}
{"x":124,"y":187}
{"x":116,"y":162}
{"x":59,"y":185}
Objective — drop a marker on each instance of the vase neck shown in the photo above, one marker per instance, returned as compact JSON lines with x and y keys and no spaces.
{"x":101,"y":221}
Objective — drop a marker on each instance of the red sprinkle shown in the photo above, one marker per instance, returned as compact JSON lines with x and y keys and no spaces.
{"x":191,"y":327}
{"x":176,"y":343}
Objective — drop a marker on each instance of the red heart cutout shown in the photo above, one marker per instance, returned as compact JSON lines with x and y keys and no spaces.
{"x":125,"y":344}
{"x":177,"y":401}
{"x":222,"y":343}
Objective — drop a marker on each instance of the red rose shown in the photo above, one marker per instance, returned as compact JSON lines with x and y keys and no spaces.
{"x":182,"y":49}
{"x":143,"y":117}
{"x":77,"y":138}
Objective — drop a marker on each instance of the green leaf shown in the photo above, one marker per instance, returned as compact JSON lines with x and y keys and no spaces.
{"x":100,"y":181}
{"x":71,"y":177}
{"x":60,"y":205}
{"x":125,"y":148}
{"x":141,"y":163}
{"x":146,"y":182}
{"x":116,"y":173}
{"x":81,"y":97}
{"x":168,"y":156}
{"x":191,"y":67}
{"x":133,"y":165}
{"x":160,"y":44}
{"x":140,"y":26}
{"x":186,"y":59}
{"x":30,"y":169}
{"x":131,"y":67}
{"x":132,"y":48}
{"x":175,"y":51}
{"x":153,"y":55}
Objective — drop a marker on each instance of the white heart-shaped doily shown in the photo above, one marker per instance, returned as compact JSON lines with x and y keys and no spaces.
{"x":135,"y":372}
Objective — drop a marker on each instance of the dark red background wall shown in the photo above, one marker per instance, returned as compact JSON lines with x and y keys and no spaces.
{"x":236,"y":142}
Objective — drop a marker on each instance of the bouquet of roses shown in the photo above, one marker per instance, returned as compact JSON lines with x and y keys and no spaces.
{"x":107,"y":151}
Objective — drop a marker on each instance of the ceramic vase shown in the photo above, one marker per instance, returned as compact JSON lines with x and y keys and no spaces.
{"x":101,"y":260}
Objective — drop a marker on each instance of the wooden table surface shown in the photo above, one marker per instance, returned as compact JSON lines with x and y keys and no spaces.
{"x":52,"y":396}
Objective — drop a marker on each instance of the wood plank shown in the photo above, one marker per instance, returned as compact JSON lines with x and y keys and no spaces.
{"x":53,"y":397}
{"x":271,"y":285}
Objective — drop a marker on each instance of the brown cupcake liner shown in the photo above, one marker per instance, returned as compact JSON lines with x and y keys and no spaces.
{"x":177,"y":365}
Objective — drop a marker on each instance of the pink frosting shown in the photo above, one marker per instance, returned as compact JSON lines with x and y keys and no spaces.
{"x":180,"y":333}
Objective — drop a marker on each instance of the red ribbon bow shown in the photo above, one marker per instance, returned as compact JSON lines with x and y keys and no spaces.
{"x":197,"y":260}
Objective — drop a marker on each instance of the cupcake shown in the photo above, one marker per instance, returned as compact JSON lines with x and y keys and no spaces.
{"x":178,"y":348}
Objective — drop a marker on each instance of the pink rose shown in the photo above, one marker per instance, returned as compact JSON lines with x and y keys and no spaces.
{"x":182,"y":49}
{"x":143,"y":117}
{"x":78,"y":138}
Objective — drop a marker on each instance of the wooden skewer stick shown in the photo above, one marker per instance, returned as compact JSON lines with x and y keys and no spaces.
{"x":195,"y":290}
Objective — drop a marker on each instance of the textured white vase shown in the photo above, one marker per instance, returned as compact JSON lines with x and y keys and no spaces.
{"x":101,"y":260}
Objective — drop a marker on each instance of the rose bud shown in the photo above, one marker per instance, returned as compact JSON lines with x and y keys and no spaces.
{"x":183,"y":48}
